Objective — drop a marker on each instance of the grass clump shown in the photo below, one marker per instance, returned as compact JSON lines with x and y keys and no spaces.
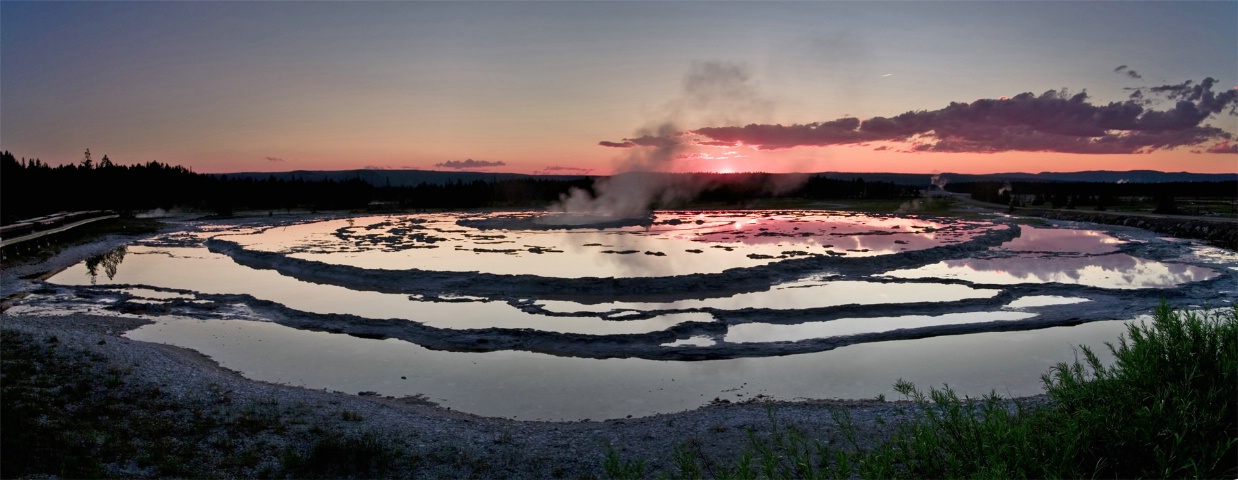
{"x":1166,"y":408}
{"x":618,"y":468}
{"x":337,"y":456}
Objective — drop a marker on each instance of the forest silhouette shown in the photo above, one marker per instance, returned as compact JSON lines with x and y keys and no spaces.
{"x":31,"y":188}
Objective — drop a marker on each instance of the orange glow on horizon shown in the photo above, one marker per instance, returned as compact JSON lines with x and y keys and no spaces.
{"x":859,"y":159}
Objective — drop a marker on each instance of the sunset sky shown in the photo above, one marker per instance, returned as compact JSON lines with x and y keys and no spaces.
{"x":598,"y":87}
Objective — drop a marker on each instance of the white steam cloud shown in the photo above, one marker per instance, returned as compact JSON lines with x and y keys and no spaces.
{"x":714,"y":93}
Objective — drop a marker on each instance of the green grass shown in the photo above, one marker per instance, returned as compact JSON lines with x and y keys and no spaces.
{"x":1166,"y":408}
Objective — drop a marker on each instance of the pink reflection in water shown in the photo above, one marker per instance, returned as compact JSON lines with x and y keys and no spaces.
{"x":1033,"y":239}
{"x":1107,"y":271}
{"x":843,"y":232}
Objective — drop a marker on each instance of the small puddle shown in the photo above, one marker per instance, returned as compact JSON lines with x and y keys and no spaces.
{"x":697,"y":341}
{"x":155,"y":294}
{"x":1033,"y":301}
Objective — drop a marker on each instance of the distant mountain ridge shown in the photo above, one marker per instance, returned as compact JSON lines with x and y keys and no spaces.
{"x":395,"y":178}
{"x":401,"y":178}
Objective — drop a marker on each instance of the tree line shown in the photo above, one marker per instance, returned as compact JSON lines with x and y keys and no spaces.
{"x":31,"y":188}
{"x":1101,"y":195}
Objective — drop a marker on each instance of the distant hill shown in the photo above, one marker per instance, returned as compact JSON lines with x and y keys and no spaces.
{"x":1132,"y":176}
{"x":1102,"y":176}
{"x":394,"y":178}
{"x":399,"y":178}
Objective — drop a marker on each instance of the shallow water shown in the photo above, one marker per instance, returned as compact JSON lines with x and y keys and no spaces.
{"x":794,"y":295}
{"x":1118,"y":271}
{"x":534,"y":386}
{"x":843,"y":311}
{"x":678,"y":243}
{"x":768,"y":332}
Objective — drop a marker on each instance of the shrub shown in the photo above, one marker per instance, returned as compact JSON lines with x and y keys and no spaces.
{"x":1166,"y":408}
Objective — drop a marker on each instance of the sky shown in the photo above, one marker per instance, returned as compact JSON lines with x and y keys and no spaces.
{"x":605,"y":87}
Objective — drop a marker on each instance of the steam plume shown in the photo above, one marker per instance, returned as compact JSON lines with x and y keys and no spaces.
{"x":713,"y":93}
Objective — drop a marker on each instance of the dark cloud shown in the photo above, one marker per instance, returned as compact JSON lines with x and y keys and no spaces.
{"x":660,"y":141}
{"x":1055,"y":121}
{"x":1128,"y":72}
{"x":273,"y":159}
{"x":643,"y":141}
{"x":716,"y":144}
{"x":1201,"y":95}
{"x":1224,"y":147}
{"x":656,"y":141}
{"x":468,"y":164}
{"x":770,"y":137}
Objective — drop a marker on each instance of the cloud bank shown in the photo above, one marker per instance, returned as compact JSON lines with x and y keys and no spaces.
{"x":1054,"y":121}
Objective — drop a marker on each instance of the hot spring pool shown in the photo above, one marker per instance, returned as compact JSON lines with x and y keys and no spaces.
{"x":477,"y":313}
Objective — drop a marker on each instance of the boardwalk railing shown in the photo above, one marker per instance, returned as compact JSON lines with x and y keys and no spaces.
{"x":33,"y":228}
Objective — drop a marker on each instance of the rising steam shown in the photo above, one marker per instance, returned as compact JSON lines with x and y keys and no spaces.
{"x":714,"y":93}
